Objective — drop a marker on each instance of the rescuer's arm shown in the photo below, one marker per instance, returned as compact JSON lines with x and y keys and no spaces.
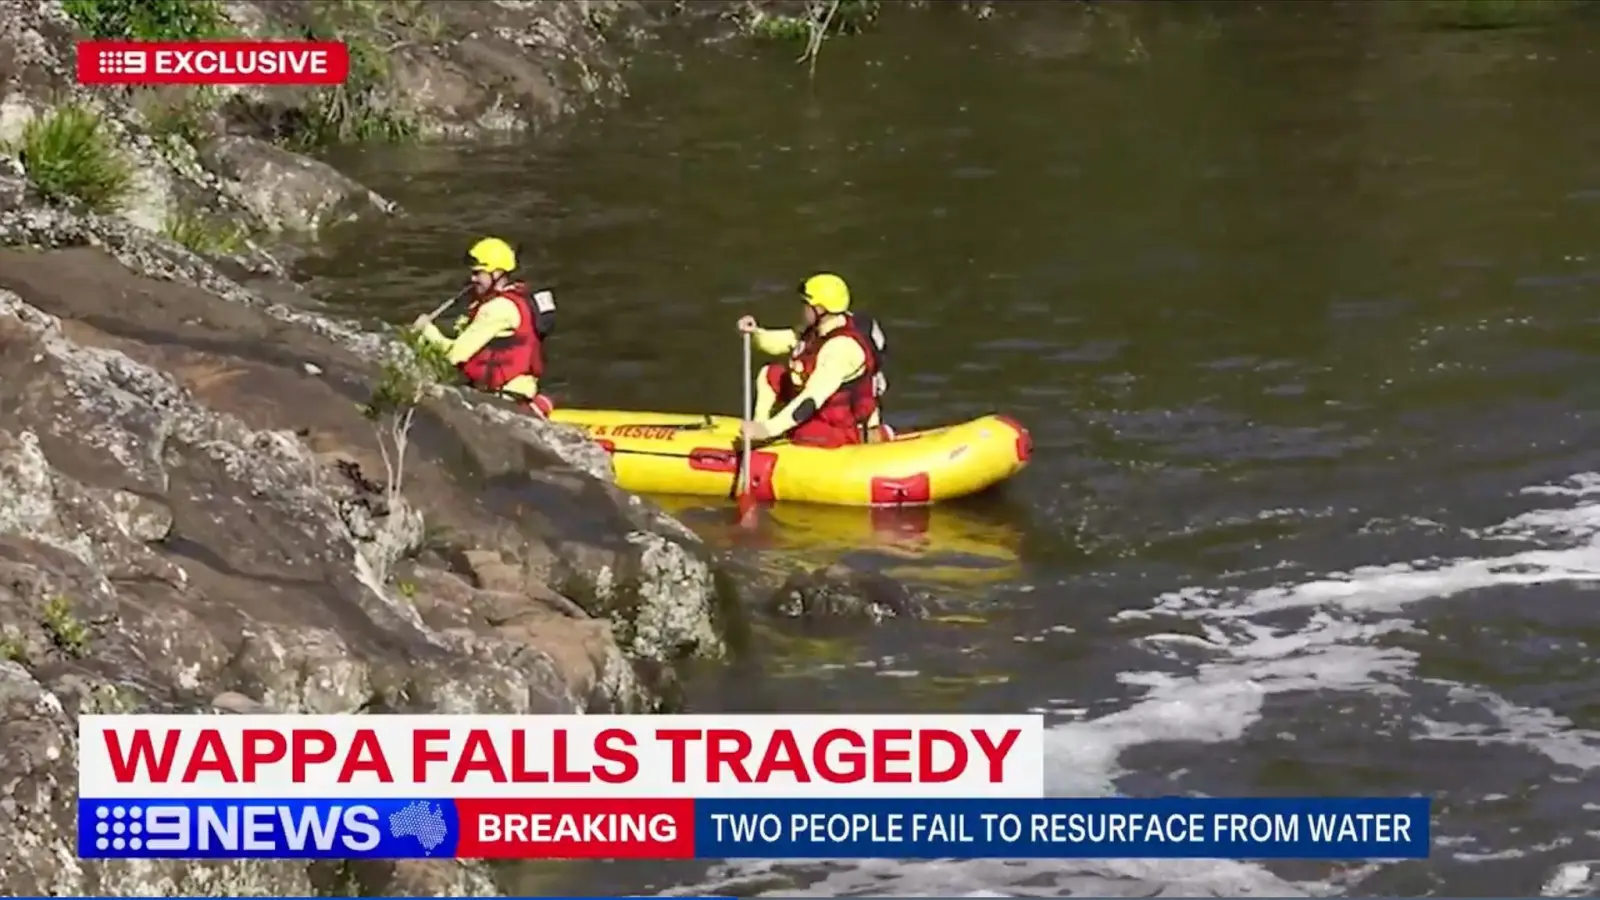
{"x":837,"y":362}
{"x":776,"y":341}
{"x":494,"y":318}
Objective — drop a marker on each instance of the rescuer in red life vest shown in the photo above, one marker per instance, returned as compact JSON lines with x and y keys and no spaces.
{"x":829,"y":391}
{"x":499,"y":343}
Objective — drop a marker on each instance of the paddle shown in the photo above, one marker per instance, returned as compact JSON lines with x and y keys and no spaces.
{"x":749,"y":516}
{"x":440,"y":309}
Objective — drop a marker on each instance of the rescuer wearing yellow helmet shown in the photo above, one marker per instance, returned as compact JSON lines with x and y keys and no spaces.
{"x":499,"y":343}
{"x":829,"y":393}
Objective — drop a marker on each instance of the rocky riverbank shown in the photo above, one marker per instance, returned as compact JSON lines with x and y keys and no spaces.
{"x":194,"y":514}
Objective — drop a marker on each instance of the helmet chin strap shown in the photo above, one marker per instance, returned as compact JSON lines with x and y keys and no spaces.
{"x":820,"y":315}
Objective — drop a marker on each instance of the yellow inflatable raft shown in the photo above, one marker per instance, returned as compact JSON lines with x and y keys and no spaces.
{"x":674,"y":453}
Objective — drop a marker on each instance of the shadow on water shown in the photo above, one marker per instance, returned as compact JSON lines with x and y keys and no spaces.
{"x":1279,"y":290}
{"x":950,"y":543}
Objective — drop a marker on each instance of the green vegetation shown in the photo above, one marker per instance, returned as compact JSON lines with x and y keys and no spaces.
{"x":795,"y":29}
{"x":185,"y":114}
{"x":13,"y":650}
{"x":149,"y":20}
{"x":361,"y":110}
{"x":820,"y":20}
{"x":203,"y":233}
{"x":356,"y":111}
{"x":66,"y":632}
{"x":399,"y":21}
{"x":403,"y":383}
{"x":69,"y":155}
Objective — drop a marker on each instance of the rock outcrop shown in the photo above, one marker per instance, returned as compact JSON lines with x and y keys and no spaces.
{"x":843,"y":594}
{"x":449,"y":68}
{"x":192,"y":513}
{"x":186,"y":520}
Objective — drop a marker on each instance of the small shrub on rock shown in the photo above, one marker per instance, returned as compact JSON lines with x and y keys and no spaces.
{"x":65,"y":630}
{"x":149,"y":20}
{"x":402,"y":385}
{"x":68,"y":154}
{"x":819,"y":20}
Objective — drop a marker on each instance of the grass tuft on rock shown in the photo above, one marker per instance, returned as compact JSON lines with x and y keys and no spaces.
{"x":13,"y":650}
{"x":186,"y":113}
{"x":69,"y":155}
{"x":359,"y":110}
{"x":149,"y":20}
{"x":202,"y":233}
{"x":65,"y":630}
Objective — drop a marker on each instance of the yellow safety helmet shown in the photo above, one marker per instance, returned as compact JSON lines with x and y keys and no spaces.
{"x":492,"y":254}
{"x":827,"y":292}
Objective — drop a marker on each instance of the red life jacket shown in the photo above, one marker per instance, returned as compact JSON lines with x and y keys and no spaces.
{"x":513,"y":355}
{"x":844,"y":416}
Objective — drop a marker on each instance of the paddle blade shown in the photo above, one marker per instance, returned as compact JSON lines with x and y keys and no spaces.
{"x":749,"y":512}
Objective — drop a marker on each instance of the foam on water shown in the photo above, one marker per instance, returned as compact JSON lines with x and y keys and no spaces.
{"x":1226,"y":676}
{"x":1334,"y":649}
{"x":1574,"y":879}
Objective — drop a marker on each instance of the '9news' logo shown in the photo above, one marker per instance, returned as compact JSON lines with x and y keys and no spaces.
{"x":150,"y":829}
{"x":226,"y":829}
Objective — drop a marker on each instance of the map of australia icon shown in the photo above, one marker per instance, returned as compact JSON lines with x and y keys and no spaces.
{"x":422,"y":821}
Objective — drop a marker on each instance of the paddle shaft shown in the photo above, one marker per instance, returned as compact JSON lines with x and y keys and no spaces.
{"x":749,"y":416}
{"x":460,"y":295}
{"x":440,"y":309}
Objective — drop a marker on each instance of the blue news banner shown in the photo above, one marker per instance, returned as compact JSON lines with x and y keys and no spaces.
{"x":1169,"y":827}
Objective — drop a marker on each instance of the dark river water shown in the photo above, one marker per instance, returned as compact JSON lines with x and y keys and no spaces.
{"x":1302,"y":305}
